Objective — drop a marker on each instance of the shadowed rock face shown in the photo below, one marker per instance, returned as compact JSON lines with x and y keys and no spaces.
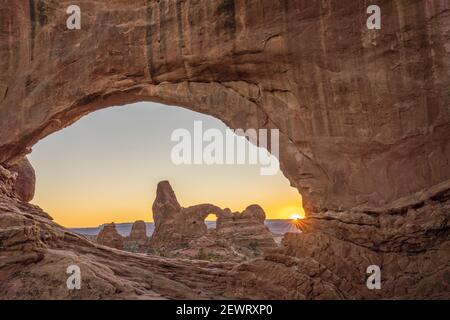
{"x":25,"y":181}
{"x":245,"y":229}
{"x":363,"y":115}
{"x":137,"y":241}
{"x":412,"y":252}
{"x":138,"y":232}
{"x":182,"y":232}
{"x":364,"y":136}
{"x":109,"y":236}
{"x":166,"y":204}
{"x":178,"y":228}
{"x":174,"y":225}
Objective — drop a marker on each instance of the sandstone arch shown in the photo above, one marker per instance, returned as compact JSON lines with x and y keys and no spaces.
{"x":363,"y":115}
{"x":332,"y":98}
{"x":176,"y":226}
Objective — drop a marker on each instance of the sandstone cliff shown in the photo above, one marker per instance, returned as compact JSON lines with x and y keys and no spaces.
{"x":364,"y":119}
{"x":363,"y":114}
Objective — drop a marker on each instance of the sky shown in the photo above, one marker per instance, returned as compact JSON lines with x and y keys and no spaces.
{"x":106,"y":166}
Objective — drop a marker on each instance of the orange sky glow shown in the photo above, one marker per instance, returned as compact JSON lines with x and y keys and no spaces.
{"x":105,"y":168}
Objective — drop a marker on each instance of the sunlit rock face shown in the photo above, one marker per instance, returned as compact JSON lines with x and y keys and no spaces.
{"x":364,"y":136}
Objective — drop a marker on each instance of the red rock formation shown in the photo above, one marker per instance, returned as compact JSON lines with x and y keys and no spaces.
{"x":138,"y":232}
{"x":364,"y":135}
{"x":245,"y":229}
{"x":35,"y":254}
{"x":355,"y":107}
{"x":109,"y":236}
{"x":178,"y":228}
{"x":324,"y":265}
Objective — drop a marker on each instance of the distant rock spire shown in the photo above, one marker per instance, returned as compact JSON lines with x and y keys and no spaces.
{"x":166,"y":202}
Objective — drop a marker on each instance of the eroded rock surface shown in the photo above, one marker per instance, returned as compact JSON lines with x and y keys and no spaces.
{"x":175,"y":226}
{"x":137,"y":241}
{"x":364,"y":123}
{"x":26,"y":180}
{"x":363,"y":114}
{"x":411,"y":249}
{"x":109,"y":236}
{"x":245,"y":229}
{"x":323,"y":264}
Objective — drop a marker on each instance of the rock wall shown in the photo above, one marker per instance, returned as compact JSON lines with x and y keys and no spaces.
{"x":364,"y":119}
{"x":363,"y":114}
{"x":176,"y":226}
{"x":326,"y":261}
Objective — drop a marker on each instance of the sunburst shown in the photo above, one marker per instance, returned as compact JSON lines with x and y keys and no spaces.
{"x":296,"y":216}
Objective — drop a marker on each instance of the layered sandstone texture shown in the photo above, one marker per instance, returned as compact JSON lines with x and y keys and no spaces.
{"x":329,"y":259}
{"x":364,"y":122}
{"x":363,"y":114}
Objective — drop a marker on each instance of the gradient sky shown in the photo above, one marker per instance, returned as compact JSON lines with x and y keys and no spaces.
{"x":106,"y":166}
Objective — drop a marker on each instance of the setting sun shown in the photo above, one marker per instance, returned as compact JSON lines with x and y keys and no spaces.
{"x":296,"y":216}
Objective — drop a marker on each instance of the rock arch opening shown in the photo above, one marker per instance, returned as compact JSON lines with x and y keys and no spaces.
{"x":364,"y":136}
{"x":105,"y":167}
